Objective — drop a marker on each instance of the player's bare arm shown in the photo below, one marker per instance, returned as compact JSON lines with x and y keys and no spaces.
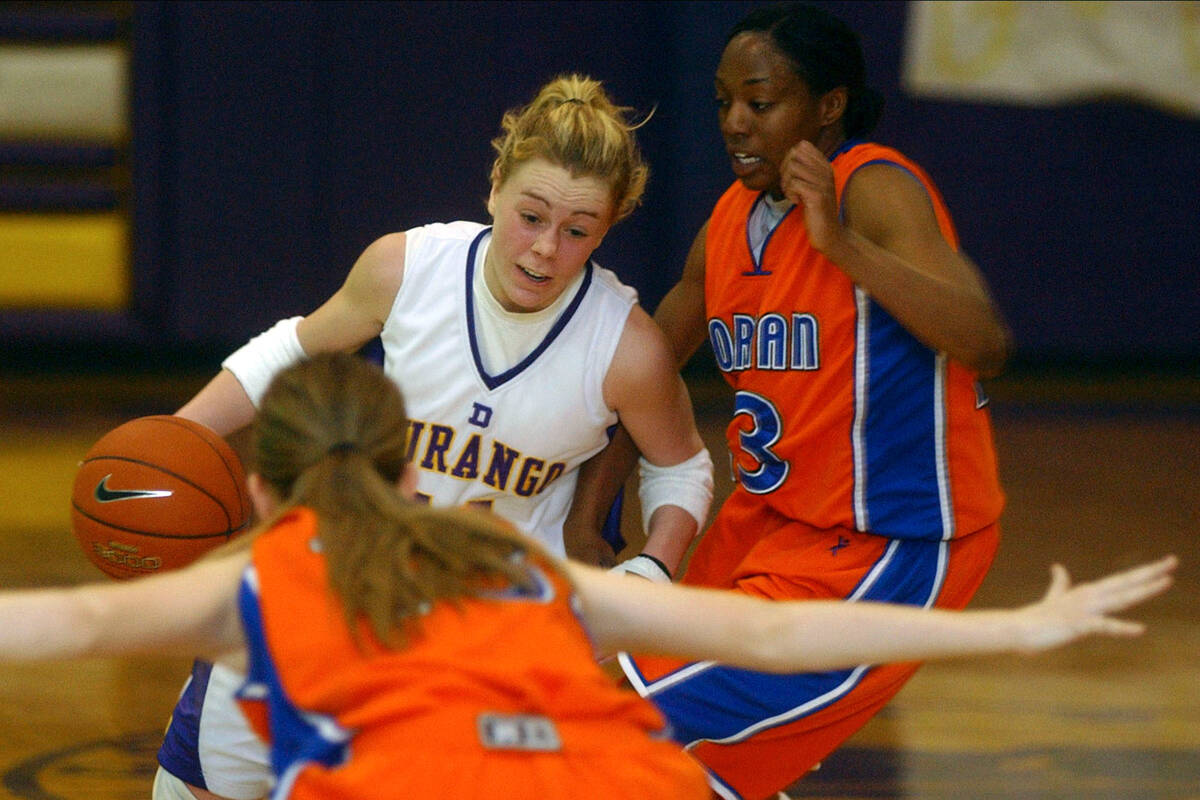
{"x":681,"y":314}
{"x":681,"y":318}
{"x":346,"y":321}
{"x":596,"y":489}
{"x":802,"y":636}
{"x":356,"y":312}
{"x":195,"y":612}
{"x":891,"y":246}
{"x":644,"y":386}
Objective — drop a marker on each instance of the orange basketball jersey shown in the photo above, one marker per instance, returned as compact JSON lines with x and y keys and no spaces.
{"x":842,"y":417}
{"x":498,"y":698}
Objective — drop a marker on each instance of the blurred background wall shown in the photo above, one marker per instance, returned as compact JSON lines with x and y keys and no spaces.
{"x":258,"y":147}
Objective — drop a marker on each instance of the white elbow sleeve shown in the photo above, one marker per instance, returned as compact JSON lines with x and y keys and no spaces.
{"x":688,"y":485}
{"x":644,"y":566}
{"x":259,"y":360}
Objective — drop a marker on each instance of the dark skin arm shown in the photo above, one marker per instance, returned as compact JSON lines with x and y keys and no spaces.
{"x":891,"y":246}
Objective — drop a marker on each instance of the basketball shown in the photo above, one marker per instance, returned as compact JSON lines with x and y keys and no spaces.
{"x":155,"y":494}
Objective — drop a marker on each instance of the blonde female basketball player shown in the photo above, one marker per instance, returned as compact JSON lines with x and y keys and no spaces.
{"x":397,"y":650}
{"x":515,"y":354}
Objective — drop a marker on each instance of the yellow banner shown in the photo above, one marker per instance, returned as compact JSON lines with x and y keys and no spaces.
{"x":1045,"y":53}
{"x":64,"y":261}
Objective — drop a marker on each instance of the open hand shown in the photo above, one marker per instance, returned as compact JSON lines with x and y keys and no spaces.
{"x":1068,"y":612}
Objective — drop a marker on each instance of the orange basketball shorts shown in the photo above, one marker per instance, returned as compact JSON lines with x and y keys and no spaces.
{"x":756,"y":733}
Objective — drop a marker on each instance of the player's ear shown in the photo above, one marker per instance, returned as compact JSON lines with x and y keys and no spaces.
{"x":491,"y":201}
{"x":262,"y":496}
{"x":407,"y":485}
{"x":832,"y":105}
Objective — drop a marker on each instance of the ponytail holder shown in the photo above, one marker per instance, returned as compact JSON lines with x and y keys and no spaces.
{"x":341,"y":448}
{"x":575,"y":100}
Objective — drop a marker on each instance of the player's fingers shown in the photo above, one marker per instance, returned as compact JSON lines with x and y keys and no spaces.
{"x":1060,"y":581}
{"x":1124,"y":589}
{"x":806,"y":159}
{"x":1148,"y":570}
{"x":1123,"y":597}
{"x":805,"y":149}
{"x":1110,"y":626}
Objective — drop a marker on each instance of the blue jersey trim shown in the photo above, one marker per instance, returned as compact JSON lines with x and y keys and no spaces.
{"x":297,"y":737}
{"x":904,"y":444}
{"x":179,"y":753}
{"x":611,"y":532}
{"x":492,"y":381}
{"x":852,"y":143}
{"x":846,"y":146}
{"x":757,"y":259}
{"x":901,"y":467}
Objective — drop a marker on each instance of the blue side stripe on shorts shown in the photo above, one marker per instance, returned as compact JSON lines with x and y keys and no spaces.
{"x":725,"y":704}
{"x":719,"y":787}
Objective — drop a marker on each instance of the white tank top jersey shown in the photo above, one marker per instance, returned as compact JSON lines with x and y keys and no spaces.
{"x":510,"y":441}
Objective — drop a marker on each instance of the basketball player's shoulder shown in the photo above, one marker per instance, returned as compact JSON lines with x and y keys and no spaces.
{"x":611,"y":288}
{"x":444,"y":232}
{"x":430,"y":244}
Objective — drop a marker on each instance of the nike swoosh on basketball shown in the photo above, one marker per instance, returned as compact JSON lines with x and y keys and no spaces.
{"x":103,"y":494}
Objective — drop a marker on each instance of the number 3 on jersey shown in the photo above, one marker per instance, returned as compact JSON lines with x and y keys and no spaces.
{"x":766,"y":428}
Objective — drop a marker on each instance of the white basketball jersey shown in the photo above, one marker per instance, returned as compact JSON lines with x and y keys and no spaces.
{"x":510,"y":442}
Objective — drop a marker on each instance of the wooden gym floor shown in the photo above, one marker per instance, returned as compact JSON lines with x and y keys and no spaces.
{"x":1101,"y":472}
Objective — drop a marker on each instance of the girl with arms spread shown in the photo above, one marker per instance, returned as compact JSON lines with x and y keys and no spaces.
{"x":399,"y":650}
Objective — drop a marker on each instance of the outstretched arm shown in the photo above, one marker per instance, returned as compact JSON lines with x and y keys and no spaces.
{"x":191,"y":612}
{"x":813,"y":635}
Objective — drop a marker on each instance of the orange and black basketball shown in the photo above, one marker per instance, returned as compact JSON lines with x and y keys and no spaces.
{"x":155,"y":494}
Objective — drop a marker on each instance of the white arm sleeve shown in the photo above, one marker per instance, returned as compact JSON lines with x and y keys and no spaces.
{"x":259,"y":360}
{"x":688,"y":485}
{"x":645,"y":566}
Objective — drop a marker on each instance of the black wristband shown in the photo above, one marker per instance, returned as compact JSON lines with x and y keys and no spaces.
{"x":658,"y":564}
